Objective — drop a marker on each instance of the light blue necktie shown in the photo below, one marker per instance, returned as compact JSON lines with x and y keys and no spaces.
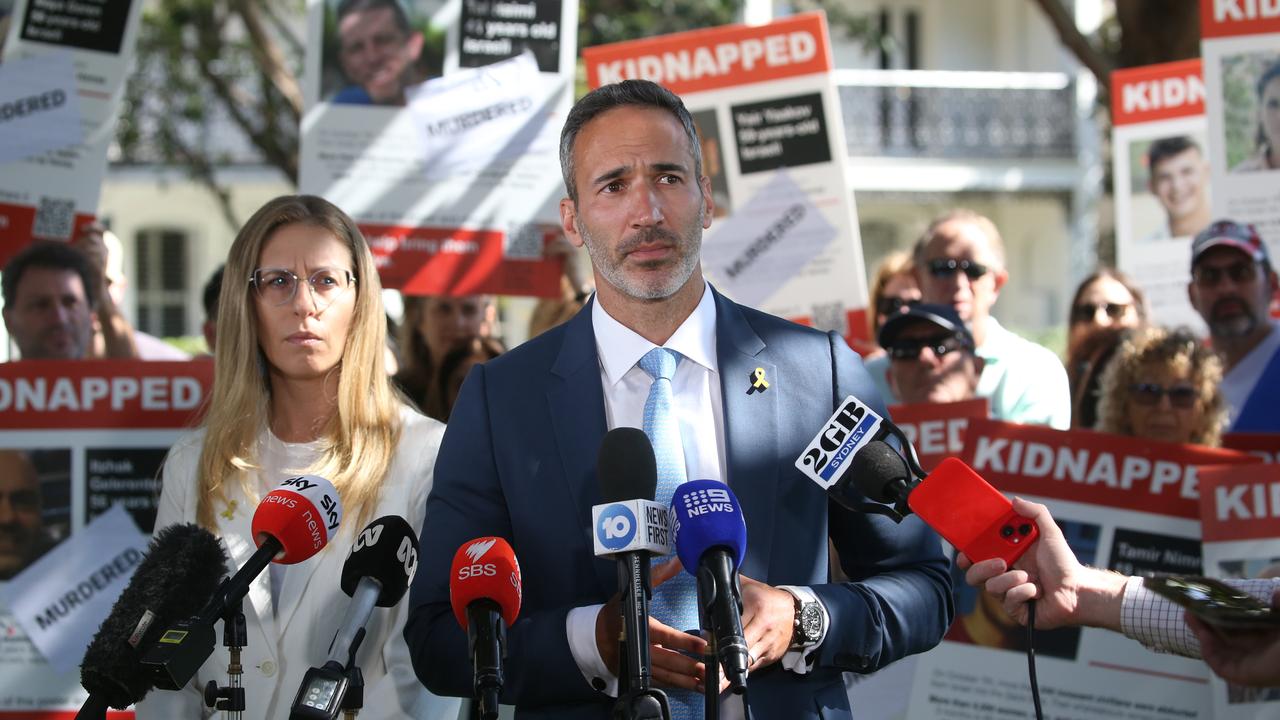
{"x":675,"y":602}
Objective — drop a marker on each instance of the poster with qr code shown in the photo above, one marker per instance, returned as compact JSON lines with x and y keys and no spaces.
{"x":446,"y":155}
{"x":784,"y":234}
{"x":52,"y":191}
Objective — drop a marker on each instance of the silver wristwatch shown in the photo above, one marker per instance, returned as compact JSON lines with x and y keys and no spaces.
{"x":808,"y":624}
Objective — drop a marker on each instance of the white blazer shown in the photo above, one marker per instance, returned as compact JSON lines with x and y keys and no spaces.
{"x":285,"y":642}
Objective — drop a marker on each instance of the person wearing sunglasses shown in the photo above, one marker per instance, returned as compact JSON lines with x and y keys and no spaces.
{"x":1105,"y":298}
{"x":1163,"y":385}
{"x":931,"y":355}
{"x":300,"y":387}
{"x":959,"y":262}
{"x":1232,"y":287}
{"x":893,"y":290}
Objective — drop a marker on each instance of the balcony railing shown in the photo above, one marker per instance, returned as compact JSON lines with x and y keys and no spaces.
{"x":958,"y":115}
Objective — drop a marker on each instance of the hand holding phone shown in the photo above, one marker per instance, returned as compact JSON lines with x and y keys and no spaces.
{"x":1214,"y":601}
{"x":973,"y":516}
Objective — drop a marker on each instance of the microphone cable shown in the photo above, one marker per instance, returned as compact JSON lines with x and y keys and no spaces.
{"x":1031,"y":657}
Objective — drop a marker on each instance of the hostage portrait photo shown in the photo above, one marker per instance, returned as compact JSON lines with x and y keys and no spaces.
{"x":1169,"y":187}
{"x":376,"y":52}
{"x":35,"y":505}
{"x":1251,"y":111}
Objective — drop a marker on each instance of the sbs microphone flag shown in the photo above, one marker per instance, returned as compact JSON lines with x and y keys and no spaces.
{"x":484,"y":589}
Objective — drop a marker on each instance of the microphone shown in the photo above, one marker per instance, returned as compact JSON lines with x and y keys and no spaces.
{"x":850,"y":460}
{"x":711,"y":539}
{"x":484,"y":590}
{"x":377,"y":573}
{"x":180,"y":572}
{"x":628,"y":476}
{"x":291,"y":524}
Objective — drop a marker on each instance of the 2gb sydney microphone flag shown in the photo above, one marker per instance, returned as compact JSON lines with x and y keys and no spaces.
{"x":849,"y":429}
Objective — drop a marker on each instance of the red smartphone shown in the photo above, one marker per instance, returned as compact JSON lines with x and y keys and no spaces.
{"x":973,"y":516}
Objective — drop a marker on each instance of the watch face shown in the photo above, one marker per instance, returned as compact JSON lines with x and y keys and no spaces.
{"x":810,"y":622}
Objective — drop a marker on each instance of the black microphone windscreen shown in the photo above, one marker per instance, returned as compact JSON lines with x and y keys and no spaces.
{"x":874,"y":470}
{"x":625,"y":466}
{"x":181,"y":571}
{"x":387,"y":551}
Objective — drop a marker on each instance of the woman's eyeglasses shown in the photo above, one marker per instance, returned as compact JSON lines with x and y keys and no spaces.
{"x":1149,"y":394}
{"x":277,"y":286}
{"x":1086,"y":312}
{"x":893,"y":305}
{"x":946,"y":267}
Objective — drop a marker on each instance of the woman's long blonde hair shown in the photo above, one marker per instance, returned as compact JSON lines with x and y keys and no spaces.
{"x":359,"y":440}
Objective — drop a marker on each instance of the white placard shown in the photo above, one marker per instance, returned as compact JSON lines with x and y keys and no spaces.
{"x":62,"y":598}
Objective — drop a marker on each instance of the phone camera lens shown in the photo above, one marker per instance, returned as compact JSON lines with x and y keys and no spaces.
{"x":1024,"y":529}
{"x":1006,"y":531}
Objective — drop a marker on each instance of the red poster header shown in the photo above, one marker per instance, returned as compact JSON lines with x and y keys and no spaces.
{"x":76,"y":394}
{"x":716,"y":57}
{"x":937,"y":430}
{"x":1092,"y":467}
{"x":1264,"y":445}
{"x":1157,"y":92}
{"x":1231,"y":18}
{"x":1239,"y":503}
{"x":460,"y":261}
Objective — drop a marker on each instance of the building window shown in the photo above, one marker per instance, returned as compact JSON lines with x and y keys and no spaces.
{"x":161,"y":282}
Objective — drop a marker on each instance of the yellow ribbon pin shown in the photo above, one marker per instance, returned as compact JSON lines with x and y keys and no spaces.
{"x":230,"y":512}
{"x":758,"y":383}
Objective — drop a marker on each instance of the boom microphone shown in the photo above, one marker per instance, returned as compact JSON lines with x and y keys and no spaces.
{"x":377,"y":573}
{"x":484,"y":590}
{"x":711,"y":539}
{"x":292,"y":523}
{"x":180,"y":572}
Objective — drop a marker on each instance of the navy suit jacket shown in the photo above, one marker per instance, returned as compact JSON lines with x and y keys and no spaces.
{"x":518,"y":460}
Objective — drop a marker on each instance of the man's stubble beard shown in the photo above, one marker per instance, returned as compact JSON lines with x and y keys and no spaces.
{"x":690,"y":244}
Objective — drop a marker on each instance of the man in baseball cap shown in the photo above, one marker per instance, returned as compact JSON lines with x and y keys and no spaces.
{"x":931,"y":355}
{"x":1232,"y":286}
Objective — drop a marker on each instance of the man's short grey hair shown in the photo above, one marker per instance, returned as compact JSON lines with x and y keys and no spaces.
{"x":639,"y":93}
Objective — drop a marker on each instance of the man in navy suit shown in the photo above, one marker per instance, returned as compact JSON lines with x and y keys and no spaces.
{"x":518,"y":458}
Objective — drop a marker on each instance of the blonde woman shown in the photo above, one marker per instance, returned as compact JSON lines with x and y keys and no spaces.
{"x":299,"y":387}
{"x":1163,"y":385}
{"x":893,"y":290}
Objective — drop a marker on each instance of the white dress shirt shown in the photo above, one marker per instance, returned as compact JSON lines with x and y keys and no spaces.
{"x":700,"y":414}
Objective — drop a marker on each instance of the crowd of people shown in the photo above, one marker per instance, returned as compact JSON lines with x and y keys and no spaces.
{"x":311,"y":375}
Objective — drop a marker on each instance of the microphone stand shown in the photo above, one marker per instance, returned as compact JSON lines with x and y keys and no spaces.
{"x":230,"y":698}
{"x":637,"y":698}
